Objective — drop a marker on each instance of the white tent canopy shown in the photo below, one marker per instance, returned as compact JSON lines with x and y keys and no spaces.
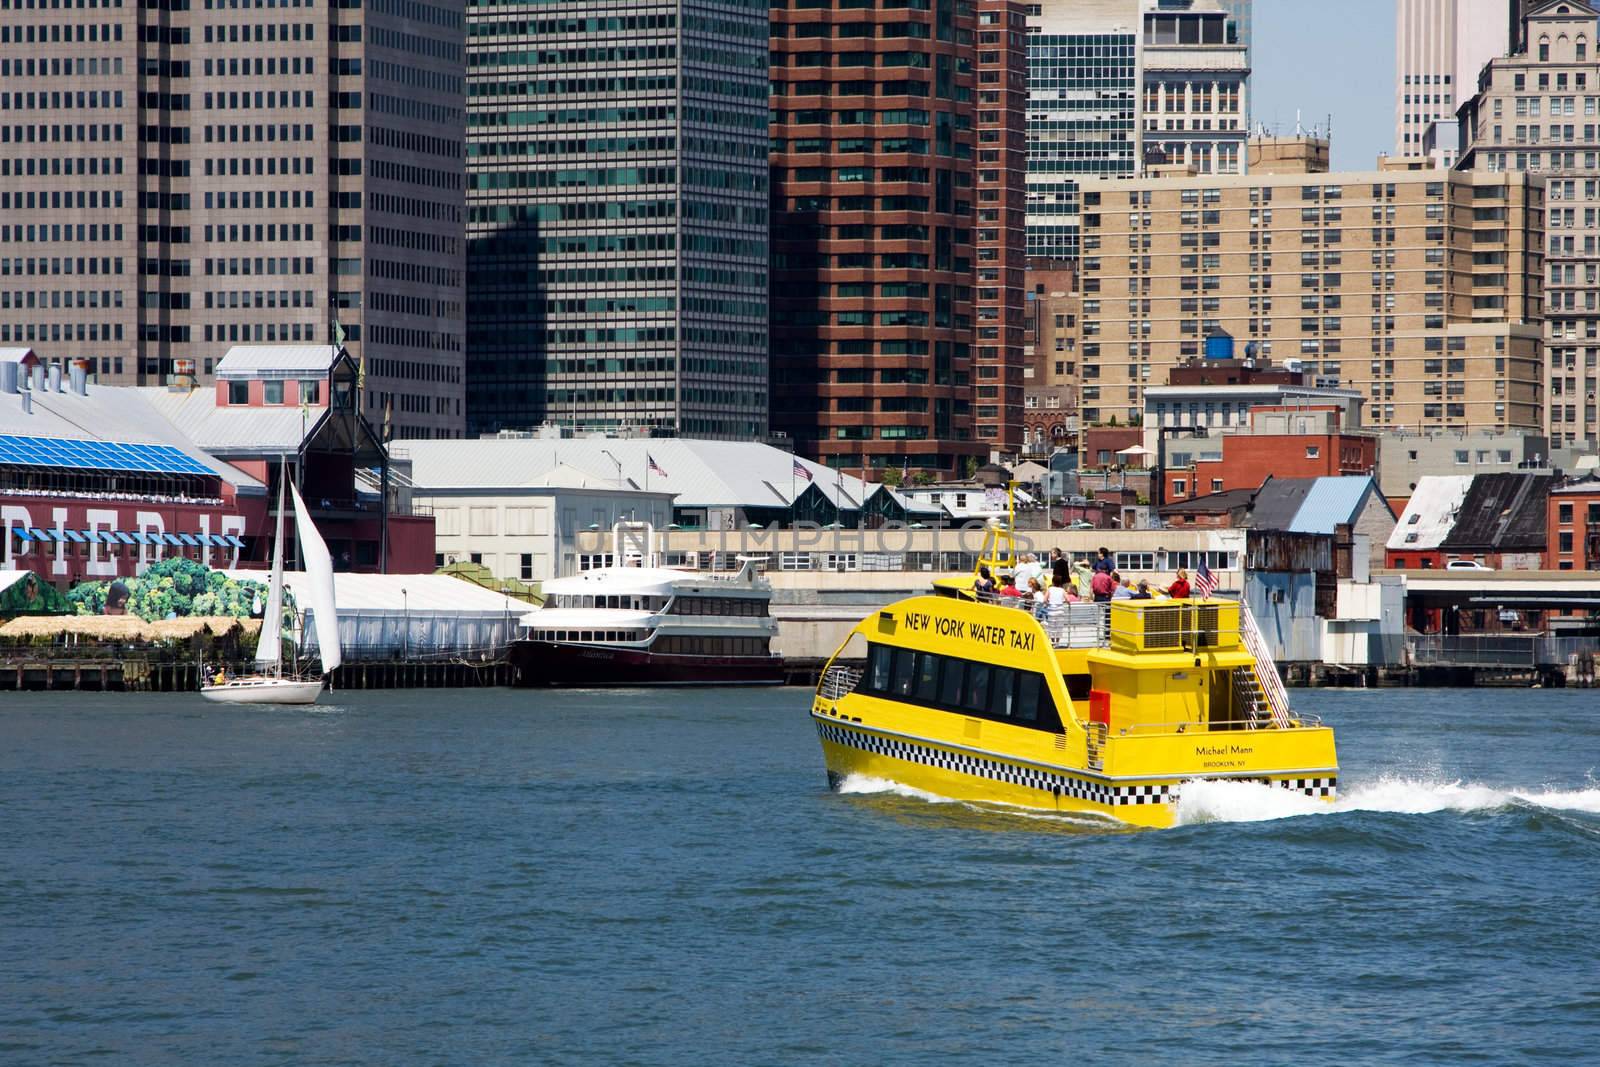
{"x":385,"y":615}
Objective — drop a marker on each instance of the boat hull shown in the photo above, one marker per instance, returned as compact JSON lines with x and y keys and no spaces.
{"x":542,"y":663}
{"x":961,"y":772}
{"x":264,"y":691}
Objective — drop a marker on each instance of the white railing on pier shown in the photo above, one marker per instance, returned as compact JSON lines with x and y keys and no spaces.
{"x":1266,"y":667}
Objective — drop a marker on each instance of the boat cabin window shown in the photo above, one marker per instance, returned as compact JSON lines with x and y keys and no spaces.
{"x":967,"y":687}
{"x":749,"y":607}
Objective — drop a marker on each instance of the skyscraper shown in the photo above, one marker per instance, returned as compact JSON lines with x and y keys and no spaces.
{"x":617,"y":216}
{"x":872,"y":194}
{"x":999,"y":360}
{"x":1536,"y":114}
{"x":180,"y":180}
{"x":1083,"y":111}
{"x":1116,"y":84}
{"x":1439,"y":48}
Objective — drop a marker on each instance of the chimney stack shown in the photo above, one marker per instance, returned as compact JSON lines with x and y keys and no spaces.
{"x":38,"y":377}
{"x":79,"y":369}
{"x":55,"y":377}
{"x":27,"y":402}
{"x":8,"y":377}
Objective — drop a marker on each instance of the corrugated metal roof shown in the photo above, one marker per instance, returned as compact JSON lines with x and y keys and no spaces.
{"x":699,"y":473}
{"x":250,"y":361}
{"x":14,"y":355}
{"x":1430,"y":512}
{"x":1331,"y":501}
{"x":109,"y":413}
{"x":240,"y":430}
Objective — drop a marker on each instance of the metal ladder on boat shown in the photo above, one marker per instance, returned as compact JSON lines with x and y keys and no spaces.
{"x":1252,"y":699}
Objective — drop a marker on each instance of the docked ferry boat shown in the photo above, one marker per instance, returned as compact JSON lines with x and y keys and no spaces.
{"x":1102,"y":708}
{"x":650,"y":625}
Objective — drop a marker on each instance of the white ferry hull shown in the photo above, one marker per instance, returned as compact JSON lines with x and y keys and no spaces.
{"x":264,"y":691}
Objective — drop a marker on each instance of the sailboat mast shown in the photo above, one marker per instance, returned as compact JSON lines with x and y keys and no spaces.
{"x":275,"y":598}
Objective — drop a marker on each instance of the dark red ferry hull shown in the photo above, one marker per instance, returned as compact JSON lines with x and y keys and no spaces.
{"x":589,"y":666}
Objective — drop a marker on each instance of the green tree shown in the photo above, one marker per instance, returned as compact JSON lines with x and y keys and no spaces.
{"x":891,"y":478}
{"x":971,"y":466}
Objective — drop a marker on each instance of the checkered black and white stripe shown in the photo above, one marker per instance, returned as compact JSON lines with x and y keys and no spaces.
{"x":1311,"y":787}
{"x":997,"y":770}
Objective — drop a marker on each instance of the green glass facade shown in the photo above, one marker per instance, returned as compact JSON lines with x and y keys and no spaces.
{"x":617,"y":216}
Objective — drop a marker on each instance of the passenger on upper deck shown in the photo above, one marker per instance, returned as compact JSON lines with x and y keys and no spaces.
{"x":1103,"y":584}
{"x":1124,"y":589}
{"x":1104,"y":562}
{"x":1008,"y":587}
{"x":1143,"y":592}
{"x":1036,"y":595}
{"x":1029,"y":569}
{"x":1179,"y":589}
{"x":984,"y":586}
{"x":1083,"y":579}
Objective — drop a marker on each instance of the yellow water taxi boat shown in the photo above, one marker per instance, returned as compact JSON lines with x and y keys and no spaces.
{"x":1098,"y":708}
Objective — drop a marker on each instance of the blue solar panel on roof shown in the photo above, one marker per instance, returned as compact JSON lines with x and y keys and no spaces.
{"x":97,"y":455}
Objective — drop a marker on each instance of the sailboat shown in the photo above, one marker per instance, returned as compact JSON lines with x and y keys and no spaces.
{"x":269,"y":685}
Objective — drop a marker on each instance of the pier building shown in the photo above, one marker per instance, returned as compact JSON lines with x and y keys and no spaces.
{"x":101,"y":481}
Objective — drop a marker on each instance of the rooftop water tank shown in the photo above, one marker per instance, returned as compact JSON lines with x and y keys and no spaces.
{"x":1219,"y":345}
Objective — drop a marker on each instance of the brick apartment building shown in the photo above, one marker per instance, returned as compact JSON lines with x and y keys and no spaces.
{"x":874,"y":255}
{"x":1573,"y":527}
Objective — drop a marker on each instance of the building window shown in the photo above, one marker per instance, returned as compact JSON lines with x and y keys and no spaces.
{"x":238,"y":392}
{"x":273,"y":392}
{"x":1313,"y":451}
{"x":310,"y":392}
{"x":527,"y":567}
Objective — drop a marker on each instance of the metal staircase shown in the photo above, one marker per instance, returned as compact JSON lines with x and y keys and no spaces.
{"x":1266,"y":672}
{"x":1250,"y":699}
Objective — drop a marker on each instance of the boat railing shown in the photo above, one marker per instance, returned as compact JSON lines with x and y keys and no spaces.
{"x":838,"y":682}
{"x":1266,"y":667}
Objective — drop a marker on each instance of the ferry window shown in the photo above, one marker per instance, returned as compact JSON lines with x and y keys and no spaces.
{"x":977,"y":692}
{"x":1028,"y":691}
{"x":1002,"y":693}
{"x":928,"y":678}
{"x":904,"y":671}
{"x":878,"y":668}
{"x":955,"y":672}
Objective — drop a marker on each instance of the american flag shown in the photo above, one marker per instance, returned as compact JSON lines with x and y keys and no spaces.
{"x":651,"y":463}
{"x":1205,"y":583}
{"x":800,"y":471}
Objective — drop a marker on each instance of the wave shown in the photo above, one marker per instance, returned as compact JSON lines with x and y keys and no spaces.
{"x":1207,"y":801}
{"x":865,"y":784}
{"x":1220,"y":801}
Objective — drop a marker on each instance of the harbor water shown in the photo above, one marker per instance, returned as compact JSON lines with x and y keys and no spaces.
{"x":489,"y":876}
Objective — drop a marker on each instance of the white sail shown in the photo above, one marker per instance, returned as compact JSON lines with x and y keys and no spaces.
{"x":269,"y":649}
{"x":318,"y":566}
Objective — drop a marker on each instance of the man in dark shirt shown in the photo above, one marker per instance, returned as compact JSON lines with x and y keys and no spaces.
{"x":1105,"y":562}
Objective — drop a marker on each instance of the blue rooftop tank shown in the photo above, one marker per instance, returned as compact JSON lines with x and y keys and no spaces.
{"x":1219,"y":345}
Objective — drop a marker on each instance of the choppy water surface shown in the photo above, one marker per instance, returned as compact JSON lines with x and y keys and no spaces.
{"x":628,"y":877}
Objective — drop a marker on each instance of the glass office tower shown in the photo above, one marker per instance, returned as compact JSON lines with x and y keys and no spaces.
{"x":617,"y":216}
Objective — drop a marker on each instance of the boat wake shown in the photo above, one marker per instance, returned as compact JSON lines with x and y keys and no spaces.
{"x":1207,"y":801}
{"x":1214,"y":801}
{"x":864,"y":785}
